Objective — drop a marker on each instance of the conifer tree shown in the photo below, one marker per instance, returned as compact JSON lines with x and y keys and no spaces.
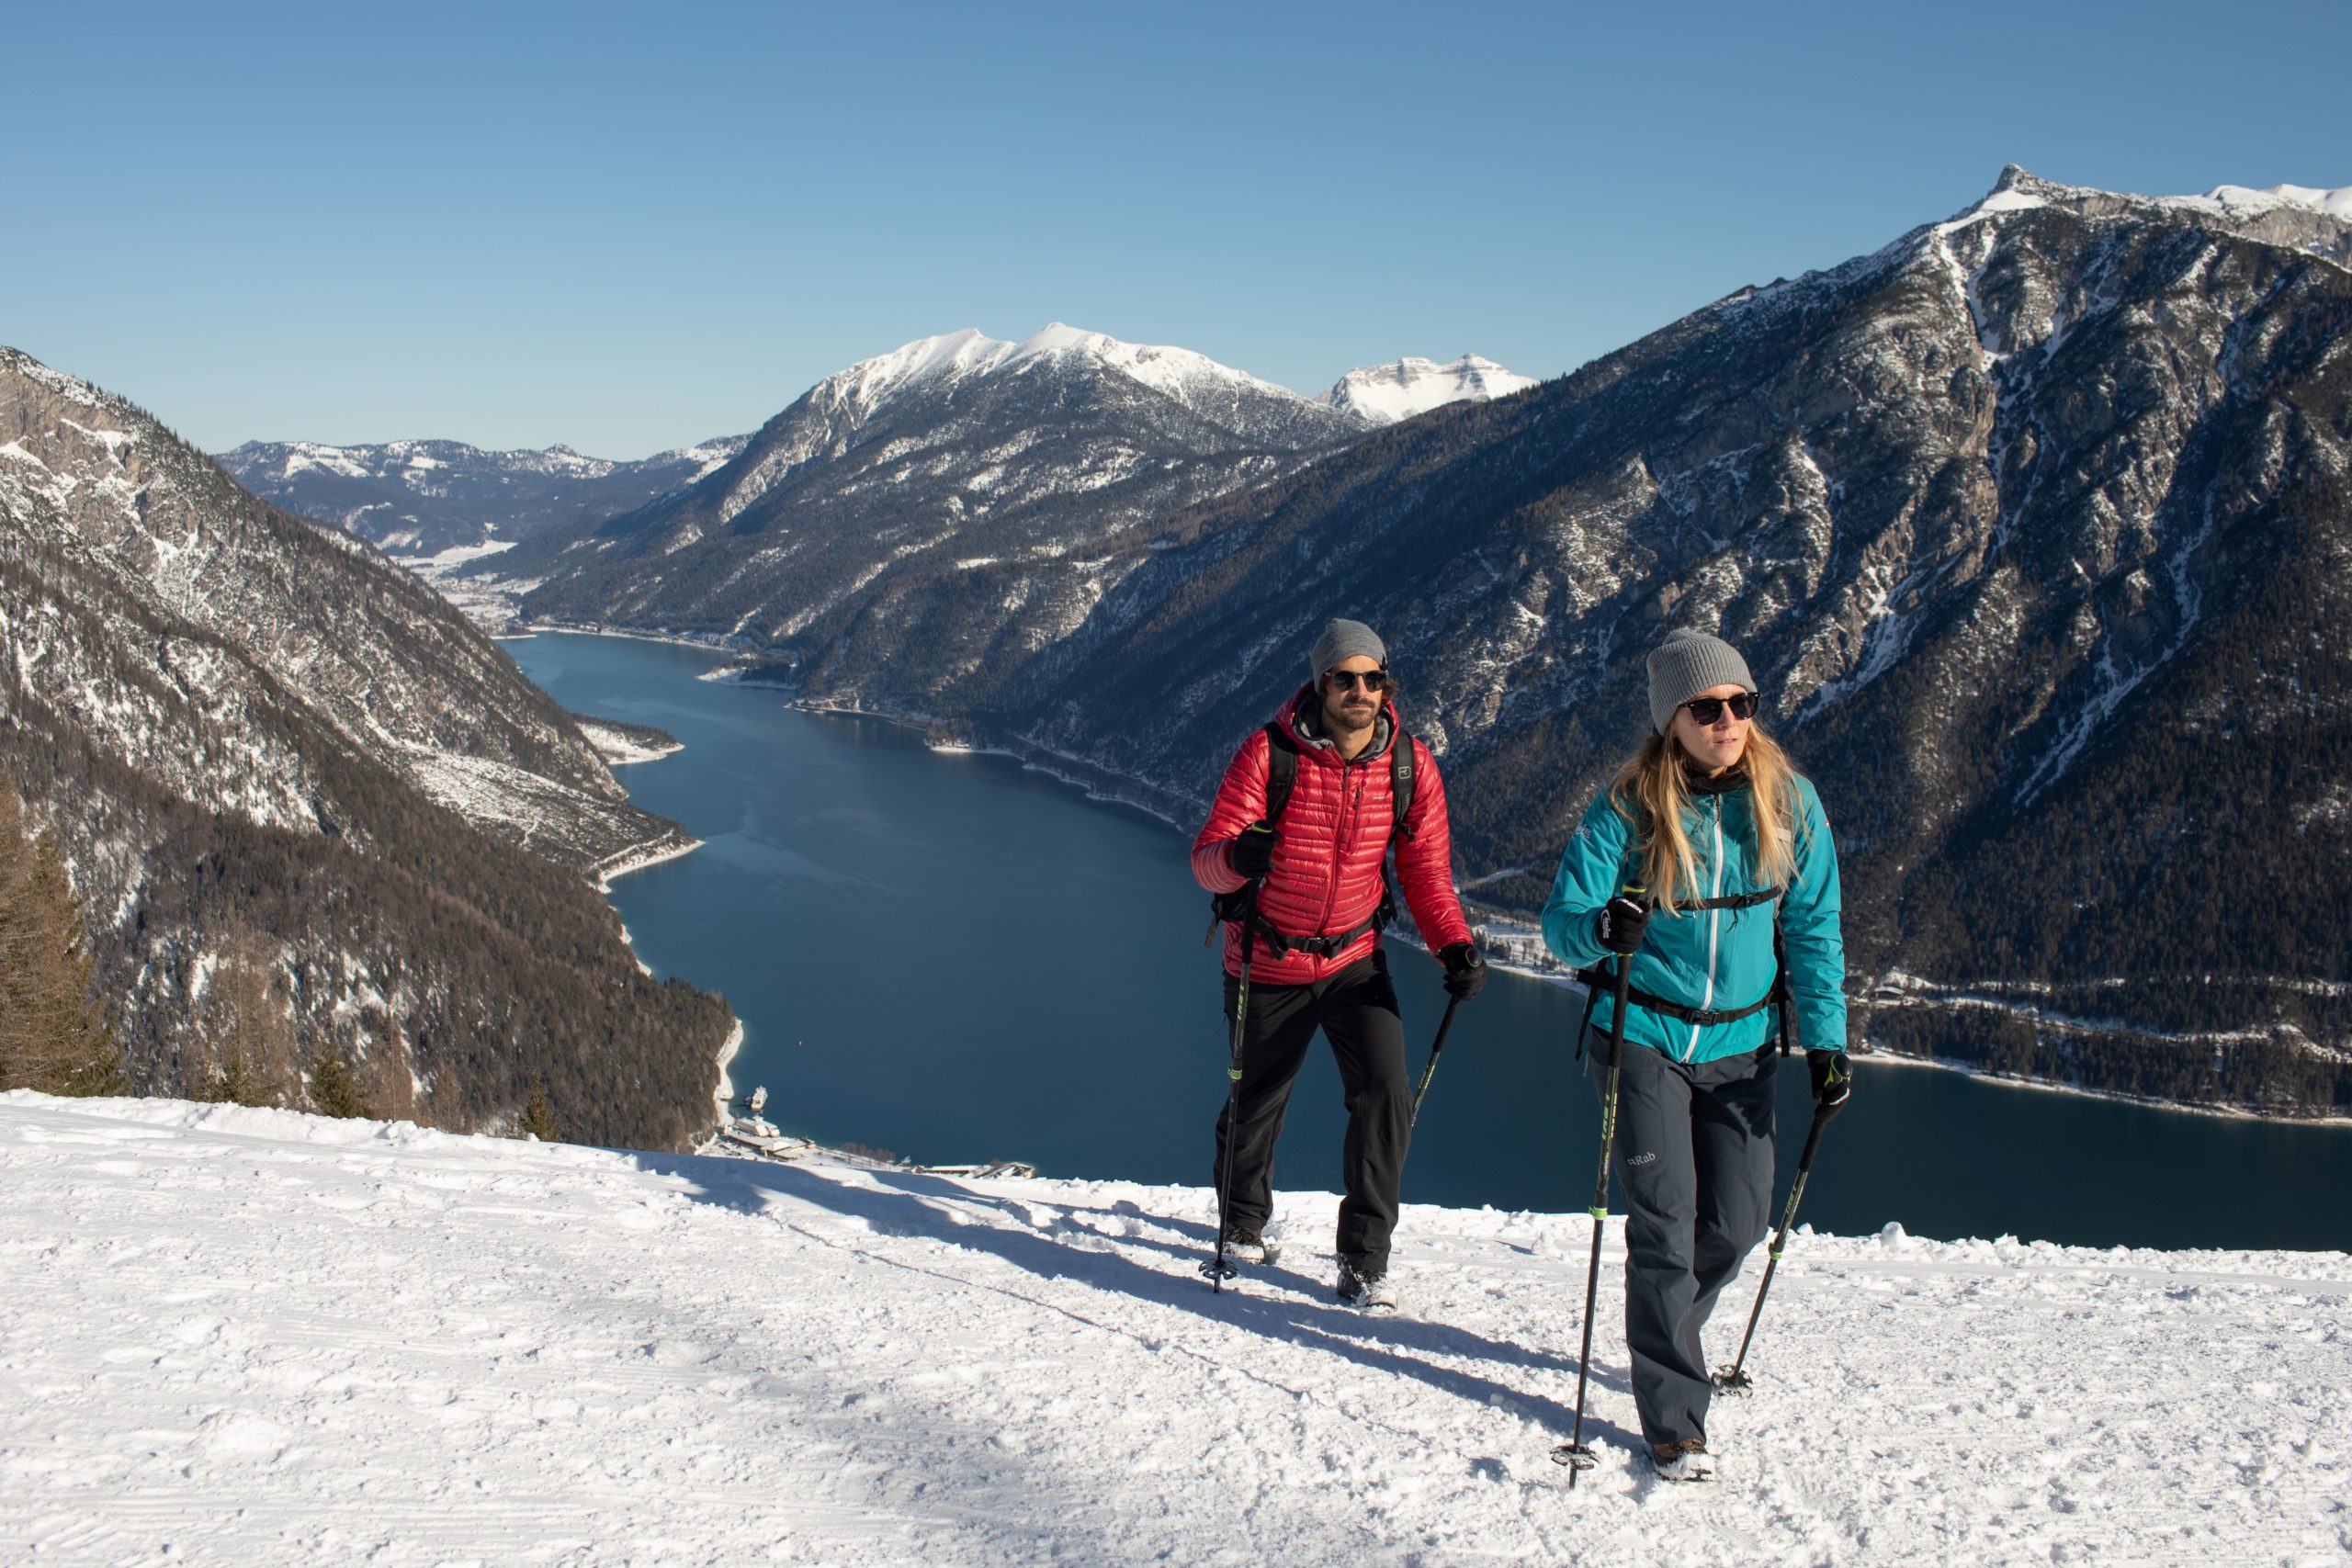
{"x":539,"y":1115}
{"x":53,"y":1034}
{"x":335,"y":1088}
{"x":245,"y":1047}
{"x":392,"y":1092}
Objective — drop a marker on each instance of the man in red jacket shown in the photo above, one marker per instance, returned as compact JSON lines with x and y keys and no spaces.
{"x":1314,"y":941}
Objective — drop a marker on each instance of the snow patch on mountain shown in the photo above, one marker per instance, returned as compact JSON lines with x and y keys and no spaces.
{"x":1384,"y":394}
{"x":2336,"y":203}
{"x":1180,"y":373}
{"x":866,"y":387}
{"x":551,"y":1352}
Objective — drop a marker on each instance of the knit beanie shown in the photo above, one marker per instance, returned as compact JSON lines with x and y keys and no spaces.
{"x":1686,"y":664}
{"x":1345,"y":639}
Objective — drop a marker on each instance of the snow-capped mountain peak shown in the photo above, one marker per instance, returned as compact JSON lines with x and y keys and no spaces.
{"x":864,"y":387}
{"x":2306,"y":217}
{"x":972,"y":383}
{"x":868,"y":384}
{"x":1383,"y":394}
{"x":2336,"y":203}
{"x":1181,"y":373}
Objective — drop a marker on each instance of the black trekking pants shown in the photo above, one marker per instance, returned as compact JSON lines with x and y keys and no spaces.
{"x":1356,"y":1010}
{"x":1694,"y":1156}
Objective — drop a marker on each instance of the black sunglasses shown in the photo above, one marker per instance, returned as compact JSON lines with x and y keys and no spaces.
{"x":1348,"y":680}
{"x":1706,"y":710}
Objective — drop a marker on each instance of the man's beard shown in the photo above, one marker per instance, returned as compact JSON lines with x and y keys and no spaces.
{"x":1356,"y":714}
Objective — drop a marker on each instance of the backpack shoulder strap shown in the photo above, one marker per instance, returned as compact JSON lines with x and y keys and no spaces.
{"x":1400,"y":781}
{"x":1281,"y":770}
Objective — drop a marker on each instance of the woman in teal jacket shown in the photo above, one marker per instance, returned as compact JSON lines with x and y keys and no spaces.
{"x":1742,"y":831}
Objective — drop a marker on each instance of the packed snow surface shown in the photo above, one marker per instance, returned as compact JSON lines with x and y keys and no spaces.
{"x":254,"y":1337}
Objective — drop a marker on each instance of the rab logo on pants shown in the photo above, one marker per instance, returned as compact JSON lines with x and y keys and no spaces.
{"x":1642,"y":1159}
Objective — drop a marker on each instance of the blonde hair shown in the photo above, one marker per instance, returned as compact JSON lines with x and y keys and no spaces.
{"x":1651,"y":796}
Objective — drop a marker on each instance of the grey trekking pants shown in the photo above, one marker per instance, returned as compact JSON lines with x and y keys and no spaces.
{"x":1694,"y":1158}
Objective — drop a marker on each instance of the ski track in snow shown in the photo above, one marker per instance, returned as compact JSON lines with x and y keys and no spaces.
{"x":252,"y":1337}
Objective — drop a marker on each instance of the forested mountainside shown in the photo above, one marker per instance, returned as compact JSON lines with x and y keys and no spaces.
{"x":256,"y":740}
{"x":2033,"y":526}
{"x":421,"y":498}
{"x":935,"y":515}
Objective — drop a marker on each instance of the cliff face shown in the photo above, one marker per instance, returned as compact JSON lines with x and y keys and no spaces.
{"x":240,"y":723}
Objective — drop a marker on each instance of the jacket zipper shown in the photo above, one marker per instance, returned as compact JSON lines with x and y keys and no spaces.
{"x":1343,"y":841}
{"x":1715,"y":921}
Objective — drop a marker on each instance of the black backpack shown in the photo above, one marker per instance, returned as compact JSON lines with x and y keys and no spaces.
{"x":1281,"y":777}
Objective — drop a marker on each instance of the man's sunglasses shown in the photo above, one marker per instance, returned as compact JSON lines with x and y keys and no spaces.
{"x":1348,"y":680}
{"x":1707,"y":710}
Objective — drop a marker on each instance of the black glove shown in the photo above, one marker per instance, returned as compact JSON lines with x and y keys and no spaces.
{"x":1252,"y":855}
{"x":1833,"y":1080}
{"x":1465,"y":972}
{"x":1621,"y":923}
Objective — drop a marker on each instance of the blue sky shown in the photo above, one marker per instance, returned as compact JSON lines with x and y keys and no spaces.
{"x":629,"y":228}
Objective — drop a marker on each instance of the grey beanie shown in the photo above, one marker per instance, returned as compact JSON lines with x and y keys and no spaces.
{"x":1686,"y":664}
{"x":1345,"y":639}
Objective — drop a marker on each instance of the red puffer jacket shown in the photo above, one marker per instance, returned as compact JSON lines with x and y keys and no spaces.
{"x":1335,"y":833}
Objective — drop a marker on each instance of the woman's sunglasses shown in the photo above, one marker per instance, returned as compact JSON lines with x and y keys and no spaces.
{"x":1348,"y":680}
{"x":1707,"y":710}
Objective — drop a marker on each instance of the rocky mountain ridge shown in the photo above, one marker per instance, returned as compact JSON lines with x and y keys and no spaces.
{"x":238,"y":720}
{"x":423,"y":498}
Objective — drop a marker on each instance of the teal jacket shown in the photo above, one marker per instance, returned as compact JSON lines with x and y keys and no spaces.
{"x":1712,"y":959}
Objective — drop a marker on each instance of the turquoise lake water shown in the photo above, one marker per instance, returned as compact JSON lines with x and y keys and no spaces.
{"x":956,"y":958}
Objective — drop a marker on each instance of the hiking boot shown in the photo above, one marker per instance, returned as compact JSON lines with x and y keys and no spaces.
{"x":1687,"y":1459}
{"x":1244,"y":1244}
{"x":1365,"y":1289}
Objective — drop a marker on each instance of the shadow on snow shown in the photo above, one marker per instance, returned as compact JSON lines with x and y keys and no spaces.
{"x":1379,"y":1343}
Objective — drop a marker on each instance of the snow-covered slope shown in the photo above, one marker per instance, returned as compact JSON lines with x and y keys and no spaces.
{"x":254,"y":1337}
{"x":172,"y":616}
{"x":1383,"y":394}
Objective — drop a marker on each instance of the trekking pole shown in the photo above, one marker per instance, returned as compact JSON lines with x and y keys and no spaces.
{"x":1576,"y":1453}
{"x":1217,"y":1270}
{"x":1731,"y":1378}
{"x":1430,"y":1071}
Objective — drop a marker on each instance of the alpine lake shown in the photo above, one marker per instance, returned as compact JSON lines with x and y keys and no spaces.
{"x":956,"y":958}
